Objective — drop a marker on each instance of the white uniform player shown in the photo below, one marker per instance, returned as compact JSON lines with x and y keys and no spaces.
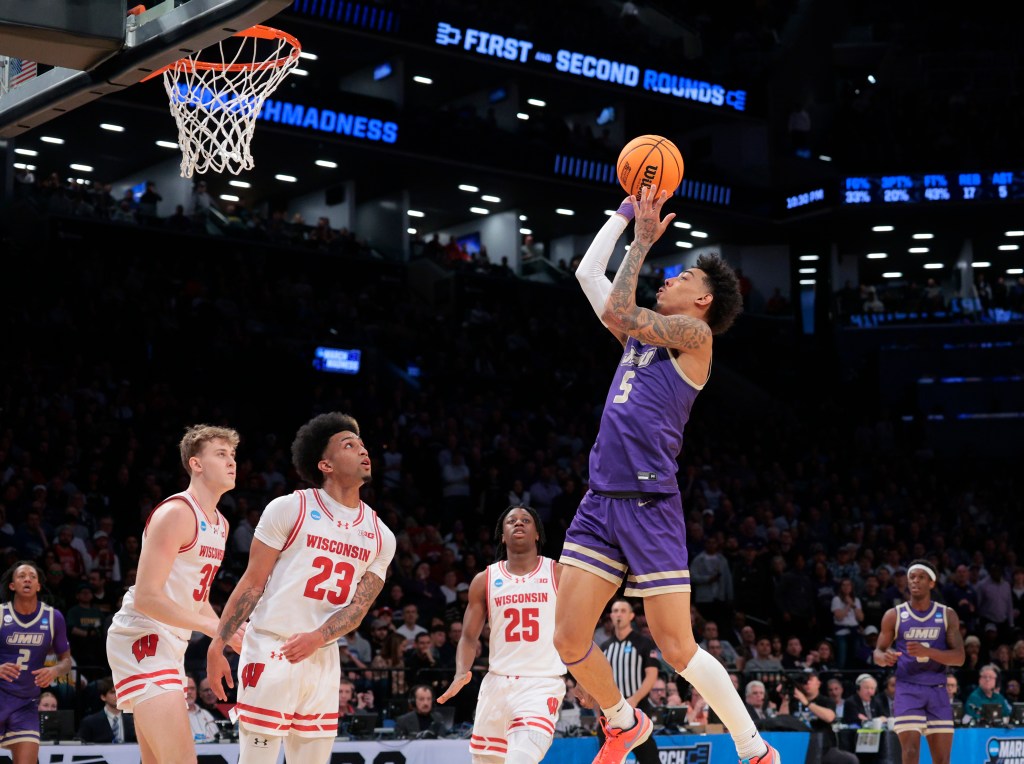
{"x":145,"y":655}
{"x":522,"y":692}
{"x":318,"y":561}
{"x":325,"y":549}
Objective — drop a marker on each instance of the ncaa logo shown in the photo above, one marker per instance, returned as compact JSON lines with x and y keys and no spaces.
{"x":499,"y":582}
{"x":202,"y":525}
{"x":7,"y":619}
{"x":904,"y":615}
{"x":993,"y":748}
{"x":315,"y":514}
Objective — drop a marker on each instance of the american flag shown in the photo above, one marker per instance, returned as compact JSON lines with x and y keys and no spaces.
{"x":20,"y":71}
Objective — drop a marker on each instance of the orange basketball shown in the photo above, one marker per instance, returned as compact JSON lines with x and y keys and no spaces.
{"x":649,"y":159}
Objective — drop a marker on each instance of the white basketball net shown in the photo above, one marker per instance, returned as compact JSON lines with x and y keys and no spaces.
{"x":216,"y":104}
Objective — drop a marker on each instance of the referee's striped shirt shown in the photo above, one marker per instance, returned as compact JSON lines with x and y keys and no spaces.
{"x":629,"y":657}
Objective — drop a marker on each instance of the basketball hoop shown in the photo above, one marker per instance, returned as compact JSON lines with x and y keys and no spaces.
{"x":216,"y":103}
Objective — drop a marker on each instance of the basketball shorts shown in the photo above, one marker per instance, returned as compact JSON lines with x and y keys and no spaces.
{"x":19,"y":720}
{"x":145,"y":661}
{"x":640,"y":539}
{"x":510,"y":703}
{"x":279,"y":698}
{"x":922,"y":708}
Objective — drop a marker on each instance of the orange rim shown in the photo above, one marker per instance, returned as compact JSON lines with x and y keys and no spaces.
{"x":263,"y":32}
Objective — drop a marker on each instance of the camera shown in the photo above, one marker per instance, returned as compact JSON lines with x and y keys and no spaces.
{"x":789,"y":682}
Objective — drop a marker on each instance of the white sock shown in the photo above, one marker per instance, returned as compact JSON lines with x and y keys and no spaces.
{"x":620,"y":715}
{"x":712,"y":681}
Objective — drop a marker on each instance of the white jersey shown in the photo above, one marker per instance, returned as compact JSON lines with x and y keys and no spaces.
{"x":521,"y":612}
{"x":192,"y":573}
{"x":326,"y":549}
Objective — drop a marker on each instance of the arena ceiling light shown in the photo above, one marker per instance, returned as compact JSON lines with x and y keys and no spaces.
{"x":933,"y":266}
{"x":51,"y":139}
{"x":286,"y":178}
{"x":522,"y":218}
{"x":609,"y":213}
{"x":923,"y":236}
{"x":423,"y":80}
{"x":917,"y":250}
{"x":564,"y":211}
{"x":411,"y":231}
{"x":824,"y":157}
{"x":1015,"y":233}
{"x":480,"y":210}
{"x":229,"y":197}
{"x":1015,"y":271}
{"x":299,"y":72}
{"x":308,"y":56}
{"x":808,"y":270}
{"x":491,"y":199}
{"x":110,"y":127}
{"x":681,"y":224}
{"x":166,"y":145}
{"x":23,"y":166}
{"x":327,"y":163}
{"x":683,"y":244}
{"x":981,"y":264}
{"x":1009,"y":247}
{"x":81,"y":167}
{"x":877,"y":255}
{"x":807,"y":282}
{"x":467,"y":187}
{"x":536,"y":102}
{"x":892,"y":275}
{"x":698,"y":234}
{"x":882,"y":228}
{"x":523,"y":116}
{"x":240,"y":183}
{"x":808,"y":258}
{"x":526,"y":231}
{"x":415,"y":213}
{"x":27,"y":152}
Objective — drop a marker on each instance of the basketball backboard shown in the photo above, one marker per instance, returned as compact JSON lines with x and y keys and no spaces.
{"x":154,"y":38}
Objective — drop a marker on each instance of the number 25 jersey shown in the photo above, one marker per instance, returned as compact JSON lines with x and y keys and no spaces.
{"x":325,"y":550}
{"x":521,"y":612}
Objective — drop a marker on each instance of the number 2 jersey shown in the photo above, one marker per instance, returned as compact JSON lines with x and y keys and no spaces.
{"x":927,"y":627}
{"x":521,"y":612}
{"x":325,"y":550}
{"x":26,"y":640}
{"x":192,"y":573}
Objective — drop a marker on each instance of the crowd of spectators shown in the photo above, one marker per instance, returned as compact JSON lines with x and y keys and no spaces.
{"x":984,"y":301}
{"x":794,"y":510}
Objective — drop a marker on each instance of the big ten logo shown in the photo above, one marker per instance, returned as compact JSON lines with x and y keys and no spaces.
{"x":352,"y":757}
{"x":145,"y":647}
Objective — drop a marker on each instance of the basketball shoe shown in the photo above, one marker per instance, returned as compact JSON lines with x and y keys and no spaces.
{"x":771,"y":756}
{"x":618,"y":743}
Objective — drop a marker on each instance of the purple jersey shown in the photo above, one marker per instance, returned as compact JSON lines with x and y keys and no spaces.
{"x":927,"y":627}
{"x":642,"y":425}
{"x":26,"y":640}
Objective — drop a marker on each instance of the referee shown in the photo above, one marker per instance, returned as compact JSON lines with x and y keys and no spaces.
{"x":635,"y":669}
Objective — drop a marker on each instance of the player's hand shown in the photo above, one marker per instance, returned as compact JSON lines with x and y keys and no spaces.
{"x":583,"y":697}
{"x":298,"y":647}
{"x":648,"y":227}
{"x":888,"y":658}
{"x":44,"y":676}
{"x":918,"y":650}
{"x":218,"y":669}
{"x":457,"y":684}
{"x":9,"y":671}
{"x":235,"y":643}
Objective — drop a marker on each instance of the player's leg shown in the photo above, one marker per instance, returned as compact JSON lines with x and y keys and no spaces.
{"x":659,"y":574}
{"x":20,"y":733}
{"x":910,"y":746}
{"x":488,"y":742}
{"x":162,"y":717}
{"x":145,"y":750}
{"x":592,"y":570}
{"x":24,"y":753}
{"x":940,"y":744}
{"x":531,"y":725}
{"x":910,"y":709}
{"x":303,"y":750}
{"x":257,"y":747}
{"x":939,"y":725}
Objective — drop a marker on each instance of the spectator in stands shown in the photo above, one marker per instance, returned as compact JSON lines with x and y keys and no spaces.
{"x":995,"y":601}
{"x":807,"y":702}
{"x":763,"y":662}
{"x":85,"y":629}
{"x":410,"y":627}
{"x":962,"y":597}
{"x":728,"y":651}
{"x":147,"y":209}
{"x":422,"y":718}
{"x":758,"y":705}
{"x":793,"y":658}
{"x":836,"y":694}
{"x":952,"y":688}
{"x":863,"y":705}
{"x":204,"y":728}
{"x":359,"y":646}
{"x":207,"y":700}
{"x":346,"y":694}
{"x":888,"y":697}
{"x":104,"y":598}
{"x":47,"y":701}
{"x":245,"y":531}
{"x":711,"y":580}
{"x":109,"y":724}
{"x":846,"y":617}
{"x":570,"y":712}
{"x":986,"y":692}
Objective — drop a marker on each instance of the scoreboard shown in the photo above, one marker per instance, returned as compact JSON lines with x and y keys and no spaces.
{"x":932,"y":188}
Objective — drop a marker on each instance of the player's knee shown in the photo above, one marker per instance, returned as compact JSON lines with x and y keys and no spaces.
{"x":572,"y":643}
{"x":527,"y":747}
{"x":678,"y":652}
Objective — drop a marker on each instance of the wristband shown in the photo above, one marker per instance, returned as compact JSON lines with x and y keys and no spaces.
{"x":626,"y":209}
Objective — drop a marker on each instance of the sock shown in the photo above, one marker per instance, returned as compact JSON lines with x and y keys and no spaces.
{"x":712,"y":681}
{"x":620,"y":715}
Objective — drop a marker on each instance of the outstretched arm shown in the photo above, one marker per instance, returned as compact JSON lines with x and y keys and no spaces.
{"x":472,"y":626}
{"x":592,"y":269}
{"x":623,"y":315}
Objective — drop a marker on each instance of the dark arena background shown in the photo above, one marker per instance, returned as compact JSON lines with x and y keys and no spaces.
{"x":425,"y":182}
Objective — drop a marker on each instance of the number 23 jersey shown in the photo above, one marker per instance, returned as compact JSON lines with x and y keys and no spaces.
{"x":521,"y":612}
{"x":325,"y":550}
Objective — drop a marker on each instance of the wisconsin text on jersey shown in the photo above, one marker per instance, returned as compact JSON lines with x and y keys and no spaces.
{"x":337,"y":547}
{"x":515,"y":599}
{"x":211,"y":552}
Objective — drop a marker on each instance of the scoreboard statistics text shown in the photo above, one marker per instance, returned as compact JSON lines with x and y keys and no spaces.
{"x":933,"y":188}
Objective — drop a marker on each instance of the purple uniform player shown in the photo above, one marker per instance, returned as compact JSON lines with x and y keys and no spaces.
{"x":630,"y":524}
{"x":29,"y":631}
{"x":921,"y":638}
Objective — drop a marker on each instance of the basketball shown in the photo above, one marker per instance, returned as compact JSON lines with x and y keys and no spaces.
{"x":649,"y":159}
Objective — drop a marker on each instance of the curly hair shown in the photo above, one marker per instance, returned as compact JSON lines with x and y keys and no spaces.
{"x":6,"y":595}
{"x":501,"y":552}
{"x":311,"y":441}
{"x":721,"y":281}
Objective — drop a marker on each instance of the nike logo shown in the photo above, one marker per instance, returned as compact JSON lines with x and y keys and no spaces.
{"x":644,"y":503}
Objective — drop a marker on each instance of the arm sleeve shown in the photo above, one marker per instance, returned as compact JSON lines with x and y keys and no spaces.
{"x":592,"y":270}
{"x":278,"y":520}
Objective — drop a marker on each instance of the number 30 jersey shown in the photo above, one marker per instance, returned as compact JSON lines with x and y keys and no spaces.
{"x":325,"y":550}
{"x":192,"y":573}
{"x":521,"y":612}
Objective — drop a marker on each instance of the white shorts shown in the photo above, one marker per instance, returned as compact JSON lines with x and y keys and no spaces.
{"x":279,"y":698}
{"x":145,"y":660}
{"x":510,"y":703}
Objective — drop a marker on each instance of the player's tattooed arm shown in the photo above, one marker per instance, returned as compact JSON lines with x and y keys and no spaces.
{"x":350,"y":616}
{"x":237,"y":611}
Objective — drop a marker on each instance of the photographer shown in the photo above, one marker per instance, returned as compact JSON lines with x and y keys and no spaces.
{"x":805,"y":701}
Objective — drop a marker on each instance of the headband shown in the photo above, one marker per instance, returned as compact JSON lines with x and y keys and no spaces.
{"x":925,"y":568}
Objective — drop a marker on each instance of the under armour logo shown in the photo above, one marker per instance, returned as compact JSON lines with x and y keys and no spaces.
{"x":343,"y":524}
{"x":262,"y":742}
{"x":274,"y":655}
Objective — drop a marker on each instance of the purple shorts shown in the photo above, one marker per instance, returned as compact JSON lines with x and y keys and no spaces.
{"x":922,"y":708}
{"x":640,"y":539}
{"x":19,"y":720}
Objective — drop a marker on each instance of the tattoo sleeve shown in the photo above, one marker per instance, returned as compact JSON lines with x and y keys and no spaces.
{"x":239,"y":608}
{"x":622,"y":312}
{"x":352,"y":614}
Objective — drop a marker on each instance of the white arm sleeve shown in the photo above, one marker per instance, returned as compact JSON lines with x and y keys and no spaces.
{"x":594,"y":265}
